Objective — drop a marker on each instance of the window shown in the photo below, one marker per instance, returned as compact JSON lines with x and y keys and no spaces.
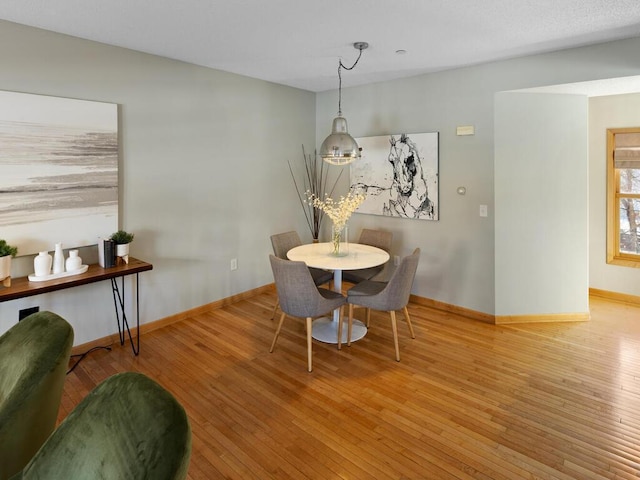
{"x":623,"y":196}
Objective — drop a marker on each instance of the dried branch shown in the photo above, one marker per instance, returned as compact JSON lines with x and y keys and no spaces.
{"x":314,"y":182}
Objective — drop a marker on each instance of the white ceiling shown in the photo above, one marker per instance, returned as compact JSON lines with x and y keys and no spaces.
{"x":299,"y":42}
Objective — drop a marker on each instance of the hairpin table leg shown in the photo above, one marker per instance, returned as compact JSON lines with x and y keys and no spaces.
{"x":118,"y":301}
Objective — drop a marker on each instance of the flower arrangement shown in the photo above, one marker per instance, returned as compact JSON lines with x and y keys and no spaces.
{"x":315,"y":181}
{"x":338,"y":211}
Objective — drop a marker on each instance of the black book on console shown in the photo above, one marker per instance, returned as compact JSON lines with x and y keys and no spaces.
{"x":109,"y":253}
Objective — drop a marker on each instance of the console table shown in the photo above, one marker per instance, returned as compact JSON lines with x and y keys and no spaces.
{"x":22,"y":287}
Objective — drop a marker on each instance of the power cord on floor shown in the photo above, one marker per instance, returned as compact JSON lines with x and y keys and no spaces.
{"x":82,"y":355}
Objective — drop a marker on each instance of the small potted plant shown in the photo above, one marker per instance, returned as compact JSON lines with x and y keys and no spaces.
{"x":7,"y":252}
{"x":122,"y":240}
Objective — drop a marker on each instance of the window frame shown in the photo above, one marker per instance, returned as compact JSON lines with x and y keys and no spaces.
{"x":614,"y":255}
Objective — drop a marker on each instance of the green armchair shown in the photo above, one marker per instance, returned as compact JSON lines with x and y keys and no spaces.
{"x":128,"y":427}
{"x":34,"y":357}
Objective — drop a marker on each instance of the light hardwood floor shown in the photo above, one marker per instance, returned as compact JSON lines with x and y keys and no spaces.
{"x":467,"y":401}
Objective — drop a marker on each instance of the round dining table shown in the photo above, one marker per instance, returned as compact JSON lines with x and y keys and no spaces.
{"x":320,"y":255}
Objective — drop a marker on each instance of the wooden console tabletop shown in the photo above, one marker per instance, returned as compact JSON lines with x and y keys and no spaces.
{"x":21,"y":287}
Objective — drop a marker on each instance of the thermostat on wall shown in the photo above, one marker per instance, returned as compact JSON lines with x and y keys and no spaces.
{"x":466,"y":130}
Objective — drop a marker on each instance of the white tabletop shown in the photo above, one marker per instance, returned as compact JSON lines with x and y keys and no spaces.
{"x":319,"y":255}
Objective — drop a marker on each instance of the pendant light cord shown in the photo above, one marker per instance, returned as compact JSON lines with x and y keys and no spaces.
{"x":340,"y":65}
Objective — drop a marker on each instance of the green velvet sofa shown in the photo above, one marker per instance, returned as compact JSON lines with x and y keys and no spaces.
{"x":34,"y":357}
{"x":128,"y":427}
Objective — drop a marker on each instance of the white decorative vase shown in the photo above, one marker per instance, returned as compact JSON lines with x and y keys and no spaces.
{"x":42,"y":264}
{"x":339,"y":241}
{"x":73,"y":262}
{"x":5,"y":267}
{"x":58,"y":259}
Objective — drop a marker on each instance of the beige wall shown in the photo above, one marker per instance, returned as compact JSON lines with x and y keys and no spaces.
{"x":458,"y":261}
{"x":541,"y":197}
{"x":204,"y":176}
{"x":203,"y":170}
{"x":607,"y":112}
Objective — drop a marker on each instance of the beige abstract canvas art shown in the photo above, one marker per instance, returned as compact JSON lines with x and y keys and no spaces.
{"x":59,"y":171}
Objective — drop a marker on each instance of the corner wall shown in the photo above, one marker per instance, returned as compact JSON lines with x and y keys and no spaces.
{"x":541,"y":206}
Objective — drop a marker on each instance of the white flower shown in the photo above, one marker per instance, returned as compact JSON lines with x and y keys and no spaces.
{"x":338,"y":211}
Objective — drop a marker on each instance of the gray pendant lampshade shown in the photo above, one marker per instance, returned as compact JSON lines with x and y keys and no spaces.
{"x":340,"y":148}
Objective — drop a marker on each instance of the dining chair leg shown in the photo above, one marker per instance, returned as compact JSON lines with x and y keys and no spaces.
{"x":275,"y":309}
{"x":350,"y":325}
{"x":275,"y":337}
{"x":368,"y":317}
{"x":340,"y":327}
{"x":309,"y":355}
{"x":408,"y":319}
{"x":394,"y":327}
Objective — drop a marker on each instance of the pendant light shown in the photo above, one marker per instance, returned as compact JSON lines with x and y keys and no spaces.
{"x":340,"y":148}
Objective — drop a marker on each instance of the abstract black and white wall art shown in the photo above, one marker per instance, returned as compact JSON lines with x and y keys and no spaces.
{"x":58,"y":171}
{"x":398,"y":175}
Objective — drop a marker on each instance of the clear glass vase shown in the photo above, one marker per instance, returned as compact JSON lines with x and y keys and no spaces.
{"x":339,"y":240}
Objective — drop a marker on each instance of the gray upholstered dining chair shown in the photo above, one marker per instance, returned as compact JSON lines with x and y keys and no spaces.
{"x":385,"y":296}
{"x":300,"y":297}
{"x":282,"y":243}
{"x":375,"y":238}
{"x":127,"y":427}
{"x":34,"y":358}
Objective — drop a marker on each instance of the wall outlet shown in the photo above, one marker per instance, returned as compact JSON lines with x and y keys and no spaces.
{"x":24,"y":313}
{"x":234,"y":264}
{"x":396,"y":260}
{"x":483,"y":210}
